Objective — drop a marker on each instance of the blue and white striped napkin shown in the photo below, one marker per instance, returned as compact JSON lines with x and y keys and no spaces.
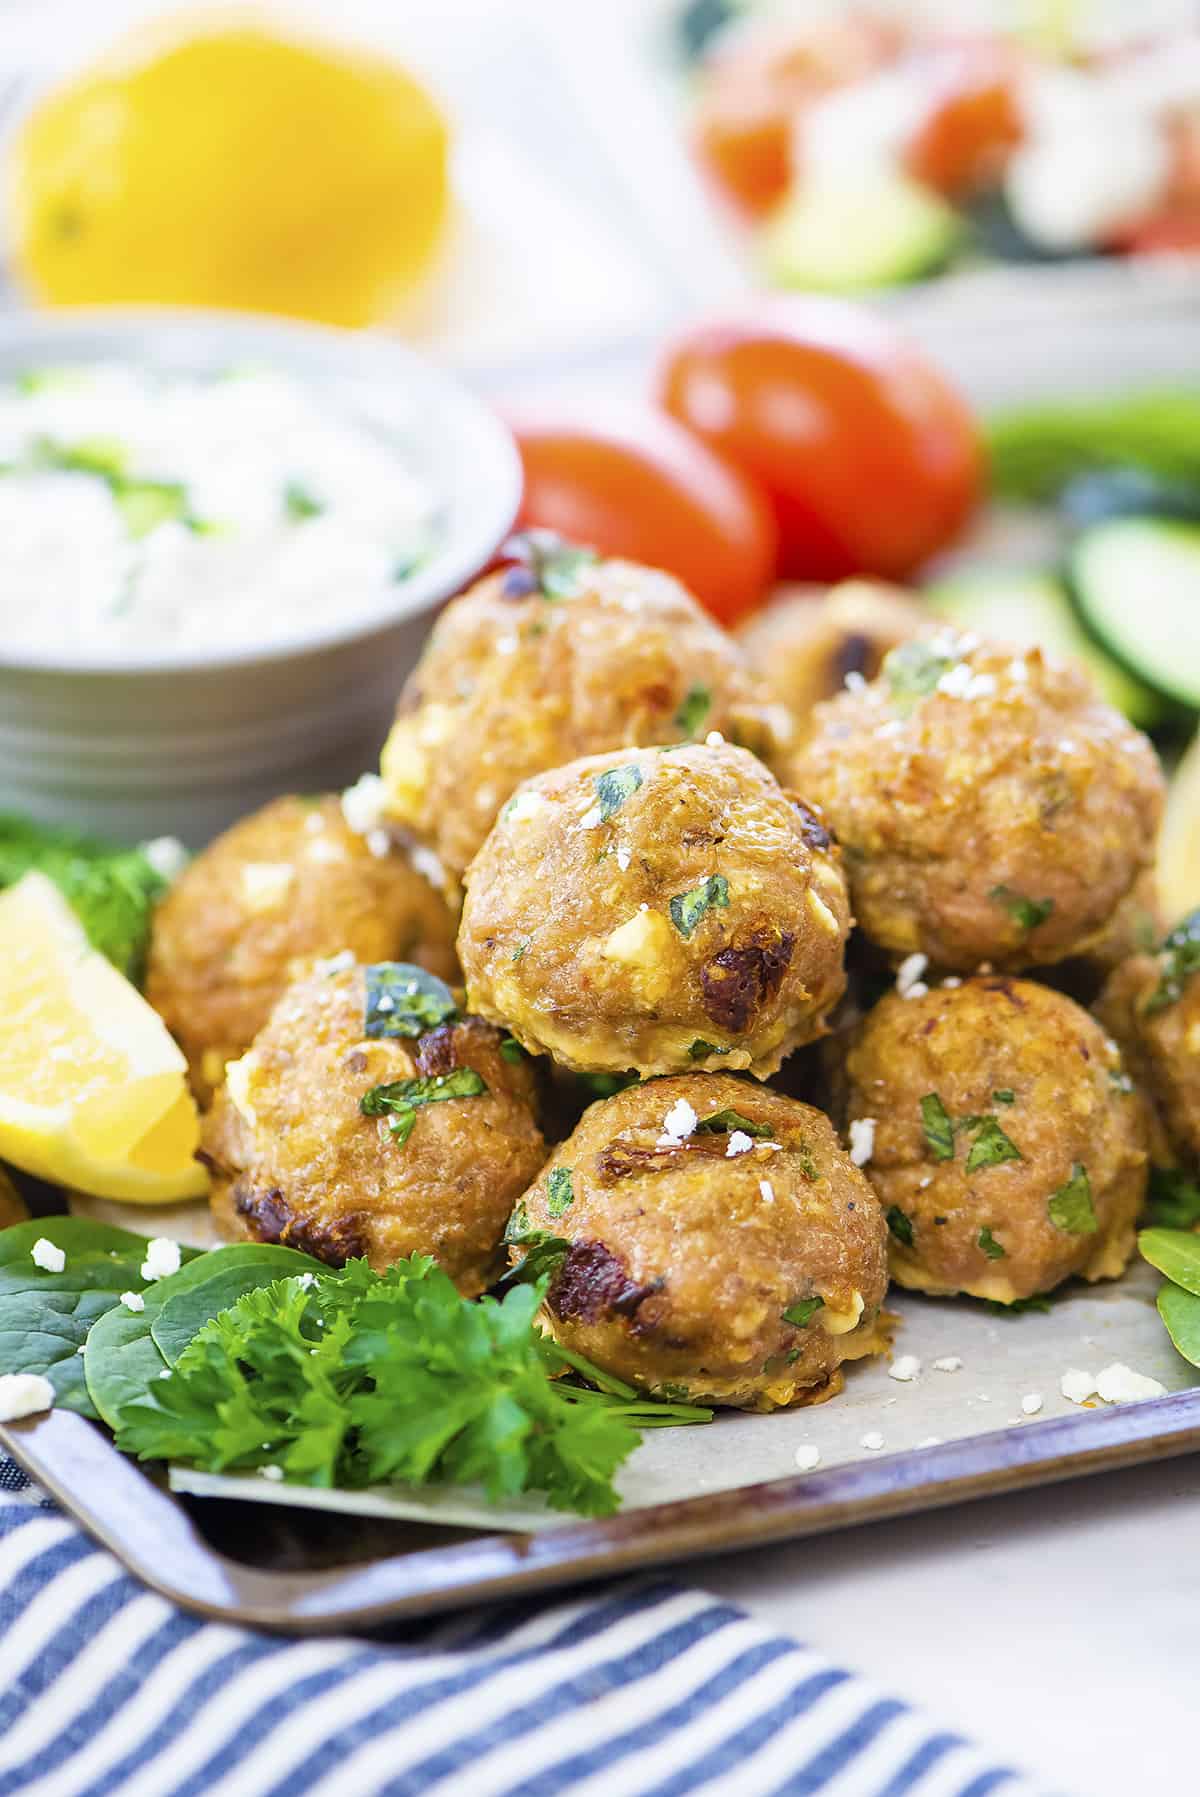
{"x":642,"y":1689}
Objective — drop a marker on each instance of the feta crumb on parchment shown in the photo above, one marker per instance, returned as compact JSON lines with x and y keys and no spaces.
{"x":1119,"y":1384}
{"x":872,"y":1441}
{"x":909,"y":983}
{"x":739,"y":1143}
{"x":1031,"y":1403}
{"x":45,"y":1255}
{"x":133,"y":1301}
{"x":679,"y":1123}
{"x":162,"y":1259}
{"x":1077,"y":1385}
{"x":808,"y":1457}
{"x":947,"y":1363}
{"x":24,"y":1394}
{"x":906,"y":1369}
{"x":930,"y":1441}
{"x":862,"y":1140}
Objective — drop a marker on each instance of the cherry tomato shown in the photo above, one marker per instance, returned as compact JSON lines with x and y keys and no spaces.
{"x":973,"y":119}
{"x":755,"y":91}
{"x":871,"y":459}
{"x":639,"y":485}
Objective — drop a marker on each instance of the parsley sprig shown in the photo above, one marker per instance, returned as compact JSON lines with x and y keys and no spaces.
{"x":369,"y":1378}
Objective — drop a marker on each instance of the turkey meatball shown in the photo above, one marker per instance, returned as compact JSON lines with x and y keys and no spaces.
{"x":288,"y":883}
{"x":990,"y":807}
{"x":658,"y":910}
{"x":558,"y":656}
{"x":710,"y":1240}
{"x":1151,"y":1004}
{"x":1002,"y":1137}
{"x":805,"y":645}
{"x":372,"y":1118}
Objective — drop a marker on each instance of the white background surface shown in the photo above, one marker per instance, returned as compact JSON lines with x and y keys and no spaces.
{"x":1059,"y":1628}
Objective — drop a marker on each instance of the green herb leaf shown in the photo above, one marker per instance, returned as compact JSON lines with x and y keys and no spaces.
{"x":900,"y":1225}
{"x":145,"y":504}
{"x":520,"y":950}
{"x":603,"y":1085}
{"x":693,"y":711}
{"x":405,"y":1000}
{"x":700,"y":1050}
{"x":1070,"y":1208}
{"x":1175,"y":1252}
{"x":1027,"y":913}
{"x":937,"y":1127}
{"x":1174,"y":1199}
{"x":299,"y":503}
{"x":544,"y":1253}
{"x":912,"y":671}
{"x":614,"y":786}
{"x":803,"y":1311}
{"x":1004,"y":1095}
{"x":112,"y":891}
{"x":511,"y":1051}
{"x":723,"y":1123}
{"x":990,"y":1245}
{"x":1179,"y":959}
{"x":991,"y":1146}
{"x":556,"y":565}
{"x":689,"y":907}
{"x":1018,"y":1306}
{"x":1180,"y":1312}
{"x":560,"y":1193}
{"x":400,"y":1099}
{"x":45,"y":1317}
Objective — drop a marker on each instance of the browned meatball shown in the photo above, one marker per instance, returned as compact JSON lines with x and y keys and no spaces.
{"x":805,"y":643}
{"x":657,"y":909}
{"x":990,"y":807}
{"x":1151,"y":1004}
{"x":12,"y":1205}
{"x":1002,"y":1137}
{"x":719,"y":1244}
{"x":291,"y":882}
{"x":519,"y":677}
{"x":340,"y":1138}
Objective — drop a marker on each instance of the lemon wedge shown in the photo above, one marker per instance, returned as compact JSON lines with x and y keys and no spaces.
{"x":92,"y":1090}
{"x":1179,"y":845}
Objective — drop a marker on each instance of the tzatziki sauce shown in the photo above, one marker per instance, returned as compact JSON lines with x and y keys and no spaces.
{"x":148,"y":511}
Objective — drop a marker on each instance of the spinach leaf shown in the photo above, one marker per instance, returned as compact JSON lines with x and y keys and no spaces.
{"x":614,"y":786}
{"x":689,"y":907}
{"x":45,"y":1317}
{"x":1180,"y":1312}
{"x":184,"y":1313}
{"x":937,"y":1127}
{"x":405,"y":1000}
{"x":1175,"y":1252}
{"x":1070,"y":1208}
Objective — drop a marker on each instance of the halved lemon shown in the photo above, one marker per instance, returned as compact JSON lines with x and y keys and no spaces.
{"x":1179,"y":845}
{"x":92,"y":1087}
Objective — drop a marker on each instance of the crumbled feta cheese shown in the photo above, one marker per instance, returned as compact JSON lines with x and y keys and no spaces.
{"x":273,"y":1473}
{"x":379,"y":844}
{"x":739,"y":1143}
{"x":162,"y":1259}
{"x":955,"y":681}
{"x":526,"y":805}
{"x":1018,"y":671}
{"x":133,"y":1301}
{"x":679,"y":1123}
{"x":1077,"y":1385}
{"x":507,"y":645}
{"x":342,"y":962}
{"x":1066,"y":746}
{"x":930,"y":1441}
{"x":893,"y":727}
{"x":1031,"y":1403}
{"x":908,"y":976}
{"x":766,"y":1191}
{"x":906,"y":1369}
{"x":854,"y":682}
{"x":1119,"y":1384}
{"x":951,"y":983}
{"x":872,"y":1441}
{"x":947,"y":1363}
{"x":364,"y":805}
{"x":807,"y":1457}
{"x":385,"y":1002}
{"x":624,"y":857}
{"x":24,"y":1394}
{"x":45,"y":1255}
{"x":426,"y":863}
{"x":713,"y":740}
{"x":314,"y":823}
{"x":591,"y":819}
{"x":265,"y":884}
{"x":322,"y":850}
{"x":980,"y":686}
{"x":167,"y":856}
{"x":862,"y":1140}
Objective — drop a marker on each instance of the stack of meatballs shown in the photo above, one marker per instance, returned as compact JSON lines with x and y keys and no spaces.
{"x":611,"y":850}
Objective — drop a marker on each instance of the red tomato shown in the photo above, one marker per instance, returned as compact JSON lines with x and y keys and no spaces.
{"x":973,"y":119}
{"x":869,"y":456}
{"x":752,"y":95}
{"x":641,"y":486}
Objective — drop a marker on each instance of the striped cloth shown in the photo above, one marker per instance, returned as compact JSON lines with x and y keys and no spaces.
{"x":643,"y":1688}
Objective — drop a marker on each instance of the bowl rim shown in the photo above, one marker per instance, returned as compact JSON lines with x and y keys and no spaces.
{"x":185,"y":336}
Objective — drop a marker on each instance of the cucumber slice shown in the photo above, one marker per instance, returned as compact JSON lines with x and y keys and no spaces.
{"x":1136,"y":586}
{"x":1106,"y":493}
{"x":841,"y":236}
{"x":1031,"y":608}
